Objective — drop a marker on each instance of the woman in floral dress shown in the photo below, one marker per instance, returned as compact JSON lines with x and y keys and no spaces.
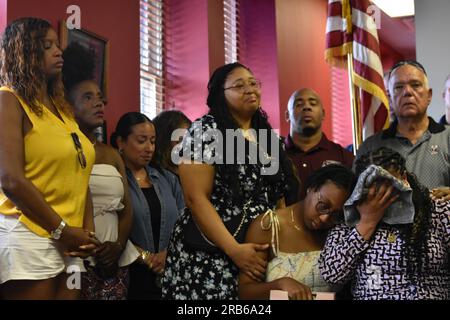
{"x":219,"y":187}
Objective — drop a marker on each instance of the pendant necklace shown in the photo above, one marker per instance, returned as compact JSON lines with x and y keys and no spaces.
{"x":392,"y":237}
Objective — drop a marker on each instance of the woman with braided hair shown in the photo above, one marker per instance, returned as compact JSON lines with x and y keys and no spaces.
{"x":403,"y":260}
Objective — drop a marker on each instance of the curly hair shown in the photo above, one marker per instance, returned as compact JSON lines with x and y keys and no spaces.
{"x":165,"y":123}
{"x":218,"y":107}
{"x":21,"y":63}
{"x":414,"y":234}
{"x":79,"y":65}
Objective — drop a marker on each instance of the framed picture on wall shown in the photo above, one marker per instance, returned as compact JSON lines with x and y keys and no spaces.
{"x":93,"y":42}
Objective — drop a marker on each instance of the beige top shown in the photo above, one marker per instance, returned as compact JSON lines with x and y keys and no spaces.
{"x":107,"y":193}
{"x":301,"y":266}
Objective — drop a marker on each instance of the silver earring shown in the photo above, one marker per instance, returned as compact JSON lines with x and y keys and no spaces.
{"x":120,"y":151}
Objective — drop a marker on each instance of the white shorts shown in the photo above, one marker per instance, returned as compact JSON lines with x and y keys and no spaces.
{"x":27,"y":256}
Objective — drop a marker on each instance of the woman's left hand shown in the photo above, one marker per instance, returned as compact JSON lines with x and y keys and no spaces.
{"x":158,"y":262}
{"x":246,"y":258}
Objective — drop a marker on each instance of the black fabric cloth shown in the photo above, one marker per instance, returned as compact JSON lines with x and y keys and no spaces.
{"x":144,"y":283}
{"x":155,"y":209}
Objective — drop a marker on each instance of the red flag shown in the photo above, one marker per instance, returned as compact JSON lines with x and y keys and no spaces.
{"x":350,"y":29}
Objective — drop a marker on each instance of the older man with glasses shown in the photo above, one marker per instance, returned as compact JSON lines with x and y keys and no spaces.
{"x":424,"y":143}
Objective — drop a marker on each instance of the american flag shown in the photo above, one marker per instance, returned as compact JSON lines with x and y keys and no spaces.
{"x":350,"y":29}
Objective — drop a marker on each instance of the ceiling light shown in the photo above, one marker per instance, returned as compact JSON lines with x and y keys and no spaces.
{"x":396,"y":8}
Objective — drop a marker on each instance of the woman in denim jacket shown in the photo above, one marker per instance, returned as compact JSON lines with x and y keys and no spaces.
{"x":157,"y":200}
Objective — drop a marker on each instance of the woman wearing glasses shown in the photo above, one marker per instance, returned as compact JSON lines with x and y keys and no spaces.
{"x":45,"y":164}
{"x":223,"y":198}
{"x":113,"y":215}
{"x":405,"y":257}
{"x":297,"y":235}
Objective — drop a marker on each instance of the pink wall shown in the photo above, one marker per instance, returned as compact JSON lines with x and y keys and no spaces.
{"x":259,"y":52}
{"x":3,"y":17}
{"x":187,"y":60}
{"x":301,"y":45}
{"x":116,"y":20}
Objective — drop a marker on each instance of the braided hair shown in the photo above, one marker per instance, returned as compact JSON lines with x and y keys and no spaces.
{"x":414,"y":235}
{"x":339,"y":175}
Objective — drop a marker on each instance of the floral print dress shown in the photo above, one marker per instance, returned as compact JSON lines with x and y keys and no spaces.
{"x":200,"y":275}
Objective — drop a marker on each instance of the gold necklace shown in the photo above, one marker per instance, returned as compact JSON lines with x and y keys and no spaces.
{"x":141,"y":178}
{"x":293,"y":222}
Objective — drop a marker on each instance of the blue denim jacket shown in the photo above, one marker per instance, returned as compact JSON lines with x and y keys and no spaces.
{"x":170,"y":196}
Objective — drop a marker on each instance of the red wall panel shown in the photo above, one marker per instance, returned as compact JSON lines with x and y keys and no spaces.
{"x":258,"y":41}
{"x":187,"y":56}
{"x":301,"y":45}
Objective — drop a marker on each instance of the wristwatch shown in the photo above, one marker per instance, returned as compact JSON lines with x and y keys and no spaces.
{"x":56,"y":234}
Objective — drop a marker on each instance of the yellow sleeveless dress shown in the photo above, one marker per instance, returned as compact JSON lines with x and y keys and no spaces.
{"x":52,"y":165}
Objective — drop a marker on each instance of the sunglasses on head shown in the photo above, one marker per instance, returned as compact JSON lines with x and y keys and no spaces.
{"x":80,"y":154}
{"x":409,"y":63}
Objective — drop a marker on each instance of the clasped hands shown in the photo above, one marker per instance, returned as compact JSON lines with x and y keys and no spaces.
{"x":154,"y":261}
{"x":79,"y":242}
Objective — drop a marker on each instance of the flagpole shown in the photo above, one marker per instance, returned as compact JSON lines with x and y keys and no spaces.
{"x":356,"y":121}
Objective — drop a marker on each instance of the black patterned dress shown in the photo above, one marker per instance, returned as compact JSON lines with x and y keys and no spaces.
{"x":200,"y":275}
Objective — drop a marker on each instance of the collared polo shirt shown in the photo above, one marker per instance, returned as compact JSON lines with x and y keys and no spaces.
{"x":443,"y":120}
{"x":324,"y":153}
{"x":428,"y":158}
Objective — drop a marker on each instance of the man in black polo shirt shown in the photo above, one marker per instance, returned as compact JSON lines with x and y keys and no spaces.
{"x":424,"y":143}
{"x":306,"y":144}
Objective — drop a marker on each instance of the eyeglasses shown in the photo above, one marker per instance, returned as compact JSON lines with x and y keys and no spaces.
{"x":79,"y":148}
{"x":324,"y":208}
{"x":242,"y":87}
{"x":407,"y":62}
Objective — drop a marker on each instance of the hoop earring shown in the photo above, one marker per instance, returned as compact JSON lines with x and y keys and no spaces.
{"x":120,"y":151}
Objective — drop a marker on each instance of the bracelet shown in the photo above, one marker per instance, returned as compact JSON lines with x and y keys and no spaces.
{"x":56,"y":234}
{"x":144,"y":255}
